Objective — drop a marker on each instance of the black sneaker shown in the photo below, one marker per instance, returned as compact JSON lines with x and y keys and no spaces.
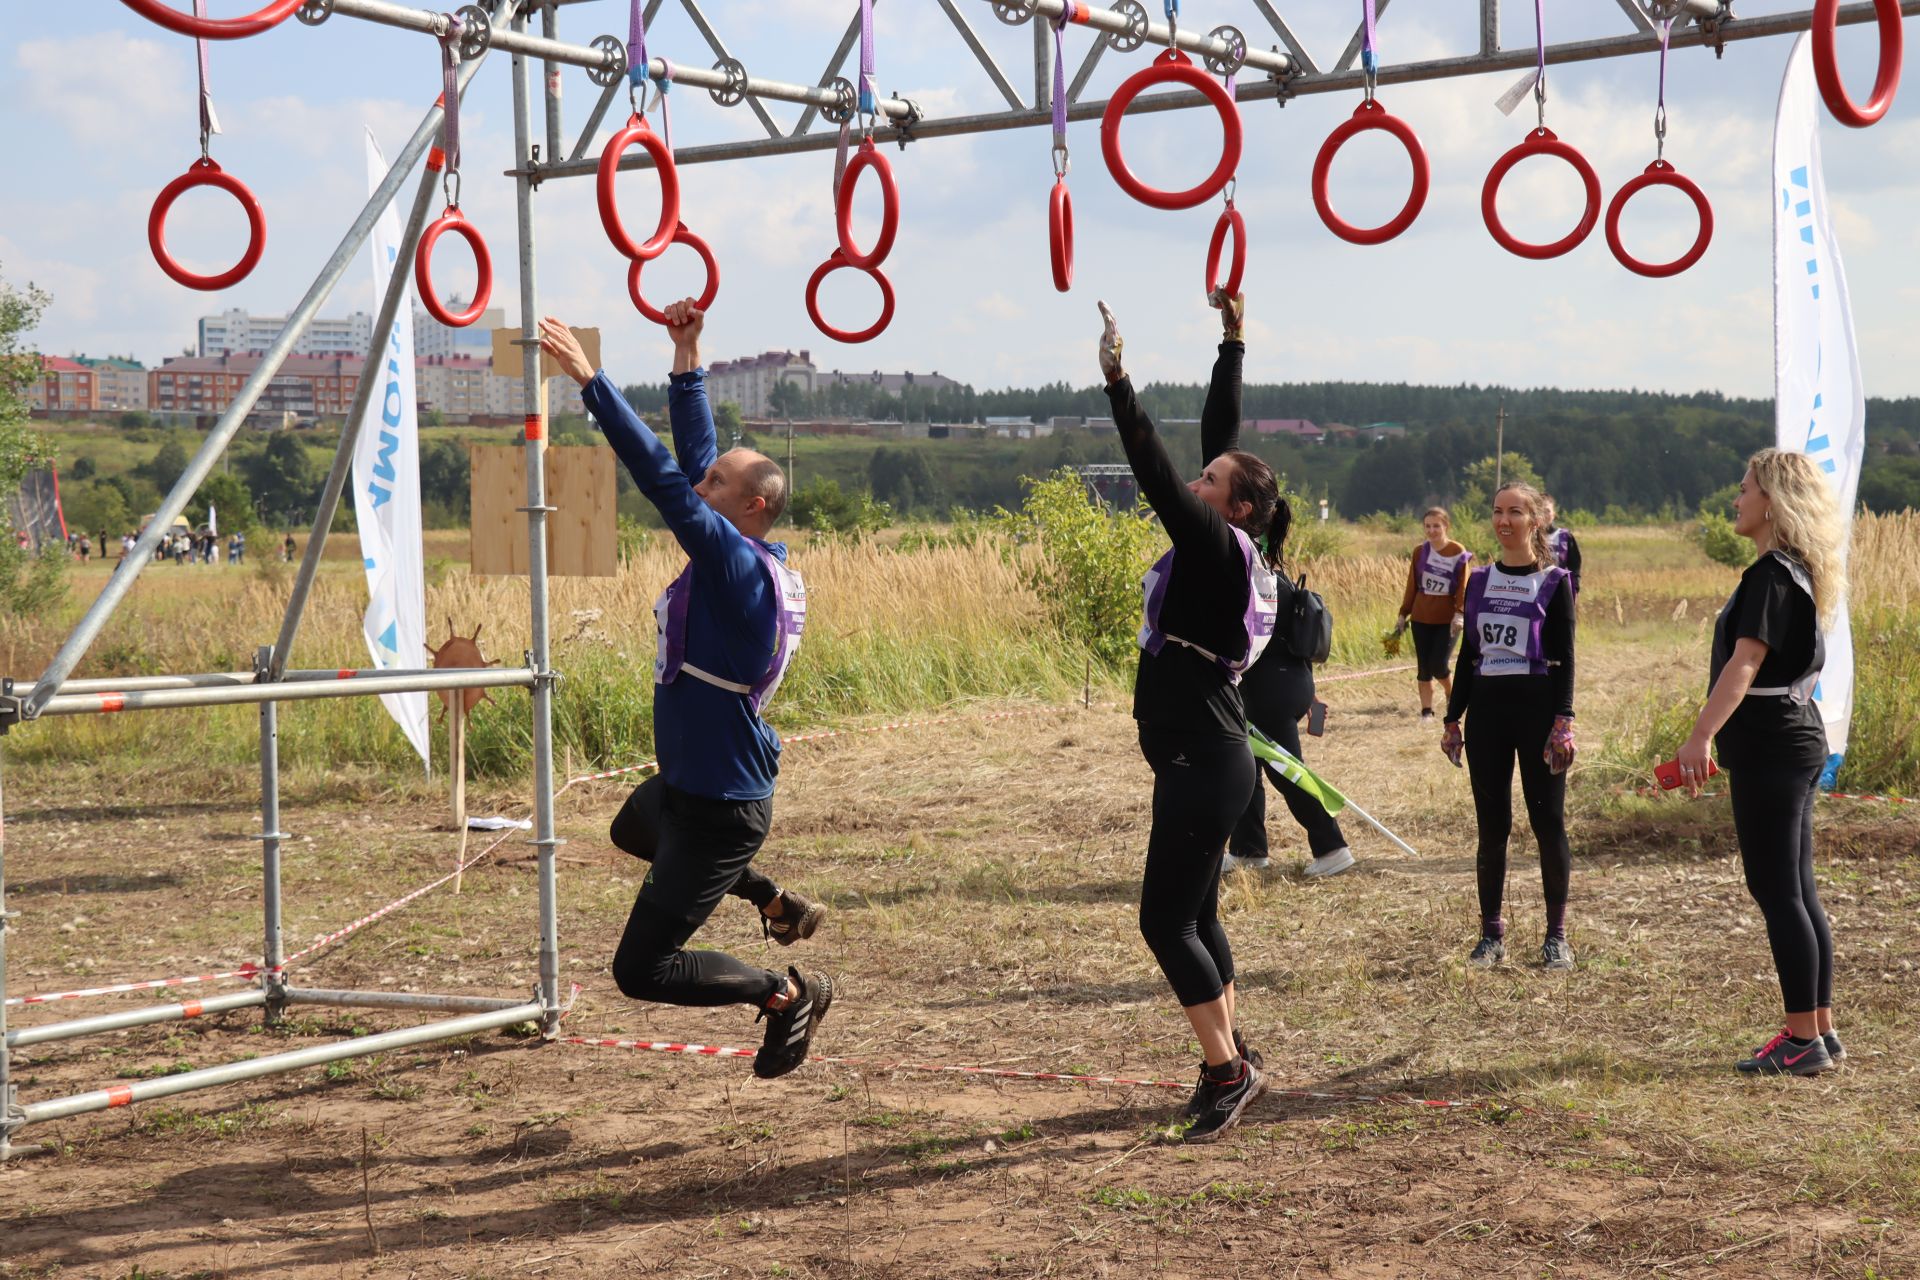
{"x":1781,"y":1056}
{"x":1556,"y":954}
{"x":1426,"y":713}
{"x":1835,"y":1050}
{"x":1487,"y":953}
{"x":1241,"y":1047}
{"x":1222,"y":1102}
{"x":790,"y":1030}
{"x":799,"y":917}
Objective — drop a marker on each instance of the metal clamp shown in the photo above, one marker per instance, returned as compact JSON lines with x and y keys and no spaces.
{"x":314,"y":12}
{"x":476,"y":31}
{"x":1014,"y":13}
{"x":1713,"y":30}
{"x":842,"y":110}
{"x":734,"y":91}
{"x":1283,"y":81}
{"x":10,"y":711}
{"x":903,"y":127}
{"x":1236,"y":55}
{"x":1136,"y":33}
{"x":613,"y":61}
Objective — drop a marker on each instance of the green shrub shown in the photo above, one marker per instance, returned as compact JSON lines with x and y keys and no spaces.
{"x":822,"y":507}
{"x":1088,"y":573}
{"x":1714,"y":532}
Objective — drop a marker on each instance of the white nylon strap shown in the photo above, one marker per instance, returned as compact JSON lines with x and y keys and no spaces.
{"x":1778,"y":691}
{"x":687,"y":668}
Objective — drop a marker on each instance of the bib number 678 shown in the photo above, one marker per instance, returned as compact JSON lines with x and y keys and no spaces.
{"x":1498,"y":635}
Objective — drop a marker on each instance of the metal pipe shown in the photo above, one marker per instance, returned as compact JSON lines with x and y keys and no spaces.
{"x":88,"y":629}
{"x":396,"y":1000}
{"x":1271,"y":61}
{"x":233,"y":1072}
{"x":1258,"y":90}
{"x":521,"y":44}
{"x":81,"y":704}
{"x":550,"y":28}
{"x":270,"y":838}
{"x":152,"y":1013}
{"x":9,"y":1113}
{"x":219,"y":680}
{"x":390,"y":302}
{"x":533,"y":400}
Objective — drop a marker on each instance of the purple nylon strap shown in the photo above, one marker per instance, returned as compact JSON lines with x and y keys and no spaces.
{"x":1060,"y":82}
{"x":209,"y":123}
{"x":450,"y":93}
{"x":866,"y":58}
{"x":1368,"y":62}
{"x":637,"y":44}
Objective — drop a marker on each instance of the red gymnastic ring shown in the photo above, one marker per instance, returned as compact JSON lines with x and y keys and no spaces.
{"x":455,"y":221}
{"x":836,"y":261}
{"x":205,"y":173}
{"x":868,"y":155}
{"x":1371,"y":115}
{"x":1230,"y":221}
{"x":1541,"y":142}
{"x":1826,"y":71}
{"x":265,"y":18}
{"x":680,"y":236}
{"x":1659,"y":174}
{"x":1060,"y":235}
{"x":638,"y":133}
{"x":1171,"y":67}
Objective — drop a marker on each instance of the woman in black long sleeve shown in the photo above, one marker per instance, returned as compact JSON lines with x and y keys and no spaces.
{"x":1209,"y":612}
{"x":1767,"y":656}
{"x":1278,"y":689}
{"x":1514,"y":683}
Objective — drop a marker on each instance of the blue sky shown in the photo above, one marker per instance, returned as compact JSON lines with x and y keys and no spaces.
{"x":100,"y":113}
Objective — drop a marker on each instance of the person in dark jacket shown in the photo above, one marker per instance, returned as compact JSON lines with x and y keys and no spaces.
{"x":1210,"y":604}
{"x":730,"y":625}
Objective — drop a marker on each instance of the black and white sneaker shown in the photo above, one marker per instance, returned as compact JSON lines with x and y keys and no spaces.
{"x":1784,"y":1056}
{"x":1426,"y":713}
{"x":790,"y":1030}
{"x":1241,"y":1047}
{"x":1556,"y":954}
{"x":1223,"y":1101}
{"x":799,"y":917}
{"x":1487,"y":953}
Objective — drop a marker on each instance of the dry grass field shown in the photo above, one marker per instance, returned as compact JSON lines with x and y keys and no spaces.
{"x":983,"y":878}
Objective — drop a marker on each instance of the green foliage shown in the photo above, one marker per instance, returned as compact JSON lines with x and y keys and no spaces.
{"x":29,"y":585}
{"x":83,"y":468}
{"x":285,"y":480}
{"x":446,"y":490}
{"x":1714,"y":532}
{"x":1088,"y":573}
{"x":1883,"y":745}
{"x":96,"y":506}
{"x":630,"y":538}
{"x":728,"y":426}
{"x":232,"y":505}
{"x":1512,"y":468}
{"x":821,"y":506}
{"x":902,"y":479}
{"x":164,"y":467}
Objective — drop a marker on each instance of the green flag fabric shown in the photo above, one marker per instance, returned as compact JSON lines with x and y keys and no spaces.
{"x":1291,"y":768}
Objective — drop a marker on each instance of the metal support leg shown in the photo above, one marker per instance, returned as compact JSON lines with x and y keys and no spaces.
{"x":271,"y":951}
{"x":10,"y":1118}
{"x":550,"y":28}
{"x":534,"y":403}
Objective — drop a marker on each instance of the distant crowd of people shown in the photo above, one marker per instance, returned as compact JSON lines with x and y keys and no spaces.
{"x":182,"y":546}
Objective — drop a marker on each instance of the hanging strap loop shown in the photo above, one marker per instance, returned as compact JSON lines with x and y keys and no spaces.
{"x":1660,"y":107}
{"x":1369,"y":60}
{"x":1540,"y":62}
{"x":866,"y":99}
{"x":450,"y":105}
{"x":1060,"y":91}
{"x":209,"y":122}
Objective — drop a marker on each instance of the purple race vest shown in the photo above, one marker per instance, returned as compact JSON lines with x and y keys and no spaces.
{"x":790,"y":619}
{"x":1439,"y":574}
{"x":1505,"y":617}
{"x":1557,"y":545}
{"x":1263,"y":605}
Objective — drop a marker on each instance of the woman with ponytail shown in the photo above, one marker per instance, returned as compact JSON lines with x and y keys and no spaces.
{"x":1767,"y":655}
{"x":1514,"y":685}
{"x":1278,"y":689}
{"x":1210,"y":605}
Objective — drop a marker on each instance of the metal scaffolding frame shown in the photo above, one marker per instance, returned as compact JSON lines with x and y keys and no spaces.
{"x":1284,"y":69}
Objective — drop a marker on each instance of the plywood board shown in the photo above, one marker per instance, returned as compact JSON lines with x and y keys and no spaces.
{"x":506,"y":353}
{"x":581,"y":537}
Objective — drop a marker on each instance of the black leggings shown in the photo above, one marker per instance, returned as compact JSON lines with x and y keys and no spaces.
{"x":1277,"y":697}
{"x":700,"y":850}
{"x":1200,"y":785}
{"x":1496,"y":735}
{"x":636,"y":830}
{"x":1432,"y":650}
{"x":1773,"y":819}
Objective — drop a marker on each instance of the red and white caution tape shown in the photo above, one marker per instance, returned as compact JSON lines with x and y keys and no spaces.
{"x":1003,"y":1073}
{"x":246,"y":972}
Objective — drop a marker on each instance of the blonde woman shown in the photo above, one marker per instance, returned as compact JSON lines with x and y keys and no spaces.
{"x":1767,"y":656}
{"x":1435,"y":602}
{"x":1514,"y":684}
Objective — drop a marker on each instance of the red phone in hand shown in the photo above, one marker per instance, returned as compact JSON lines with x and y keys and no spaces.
{"x":1668,"y":774}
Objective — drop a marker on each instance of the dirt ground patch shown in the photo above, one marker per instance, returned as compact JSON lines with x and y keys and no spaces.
{"x":983,"y":878}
